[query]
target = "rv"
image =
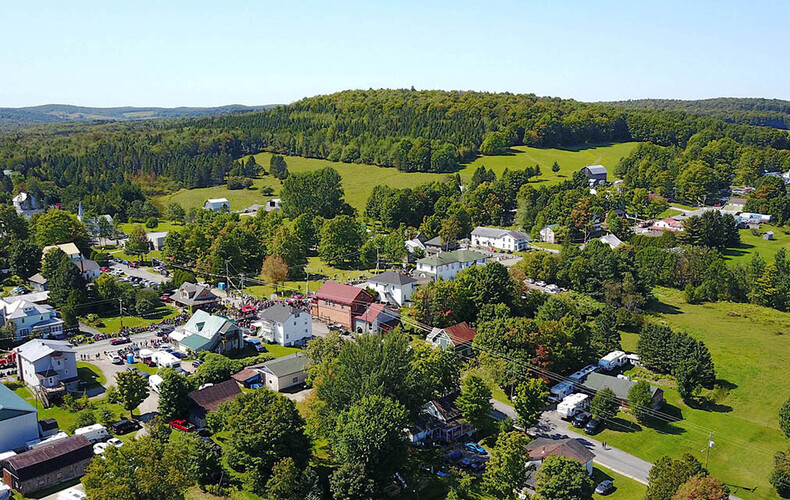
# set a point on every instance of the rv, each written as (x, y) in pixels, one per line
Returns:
(165, 359)
(559, 391)
(37, 443)
(94, 433)
(572, 405)
(580, 375)
(612, 361)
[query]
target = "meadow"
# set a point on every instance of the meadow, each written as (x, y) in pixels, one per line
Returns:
(752, 244)
(750, 347)
(360, 179)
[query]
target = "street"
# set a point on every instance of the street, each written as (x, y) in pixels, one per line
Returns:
(142, 273)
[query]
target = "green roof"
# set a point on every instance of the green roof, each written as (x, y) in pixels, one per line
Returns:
(195, 342)
(12, 405)
(551, 226)
(444, 258)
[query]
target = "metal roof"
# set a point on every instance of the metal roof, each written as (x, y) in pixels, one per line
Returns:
(12, 405)
(39, 348)
(444, 258)
(392, 278)
(287, 365)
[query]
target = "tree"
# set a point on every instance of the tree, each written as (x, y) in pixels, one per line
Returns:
(278, 168)
(63, 277)
(306, 232)
(341, 240)
(667, 475)
(475, 402)
(688, 378)
(199, 458)
(555, 167)
(640, 401)
(275, 270)
(84, 418)
(173, 394)
(105, 416)
(132, 390)
(495, 143)
(784, 418)
(370, 433)
(151, 223)
(105, 227)
(349, 482)
(175, 212)
(562, 478)
(146, 302)
(24, 259)
(138, 243)
(317, 193)
(55, 227)
(780, 476)
(605, 337)
(290, 248)
(604, 405)
(702, 488)
(504, 475)
(529, 401)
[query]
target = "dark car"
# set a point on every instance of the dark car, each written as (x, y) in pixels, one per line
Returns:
(125, 426)
(593, 426)
(196, 363)
(120, 340)
(605, 487)
(581, 419)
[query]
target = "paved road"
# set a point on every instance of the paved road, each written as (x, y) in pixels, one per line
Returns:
(142, 273)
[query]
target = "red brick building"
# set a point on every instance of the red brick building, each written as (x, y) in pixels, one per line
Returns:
(339, 303)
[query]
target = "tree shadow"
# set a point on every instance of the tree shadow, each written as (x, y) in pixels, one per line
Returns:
(741, 250)
(663, 423)
(706, 404)
(659, 307)
(584, 147)
(622, 425)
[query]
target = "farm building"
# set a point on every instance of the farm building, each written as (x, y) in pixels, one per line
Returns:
(596, 174)
(216, 204)
(48, 466)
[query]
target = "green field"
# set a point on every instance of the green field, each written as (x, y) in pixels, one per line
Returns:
(359, 180)
(751, 244)
(163, 226)
(318, 271)
(625, 488)
(113, 323)
(751, 352)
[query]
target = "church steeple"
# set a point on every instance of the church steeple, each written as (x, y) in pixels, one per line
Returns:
(80, 213)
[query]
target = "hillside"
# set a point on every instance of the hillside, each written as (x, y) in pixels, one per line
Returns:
(15, 118)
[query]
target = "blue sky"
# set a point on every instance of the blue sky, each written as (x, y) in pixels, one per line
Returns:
(208, 53)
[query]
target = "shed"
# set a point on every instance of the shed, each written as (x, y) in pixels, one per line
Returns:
(209, 398)
(769, 235)
(247, 377)
(48, 466)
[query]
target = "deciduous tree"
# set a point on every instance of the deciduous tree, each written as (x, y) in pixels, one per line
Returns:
(604, 405)
(505, 475)
(562, 478)
(529, 400)
(132, 390)
(475, 402)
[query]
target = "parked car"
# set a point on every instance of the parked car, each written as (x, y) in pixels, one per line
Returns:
(72, 494)
(581, 419)
(125, 426)
(475, 448)
(478, 466)
(443, 472)
(182, 425)
(255, 387)
(120, 340)
(196, 363)
(604, 487)
(455, 455)
(115, 442)
(178, 354)
(115, 359)
(99, 448)
(593, 426)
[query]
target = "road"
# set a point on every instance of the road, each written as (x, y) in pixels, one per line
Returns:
(142, 273)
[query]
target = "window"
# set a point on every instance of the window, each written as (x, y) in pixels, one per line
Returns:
(286, 336)
(296, 379)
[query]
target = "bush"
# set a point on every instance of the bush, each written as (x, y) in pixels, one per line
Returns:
(152, 222)
(267, 190)
(235, 183)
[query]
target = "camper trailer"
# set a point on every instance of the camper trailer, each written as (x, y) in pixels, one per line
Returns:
(154, 381)
(572, 405)
(560, 391)
(94, 433)
(612, 361)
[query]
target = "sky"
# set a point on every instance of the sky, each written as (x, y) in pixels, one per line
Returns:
(210, 53)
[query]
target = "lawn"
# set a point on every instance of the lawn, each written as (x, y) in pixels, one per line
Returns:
(163, 226)
(113, 323)
(359, 179)
(318, 271)
(744, 415)
(751, 244)
(278, 351)
(91, 374)
(625, 488)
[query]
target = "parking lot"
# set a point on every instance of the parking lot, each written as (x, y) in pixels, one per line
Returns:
(125, 271)
(469, 456)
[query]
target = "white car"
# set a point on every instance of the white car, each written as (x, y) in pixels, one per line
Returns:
(115, 442)
(100, 448)
(115, 359)
(72, 494)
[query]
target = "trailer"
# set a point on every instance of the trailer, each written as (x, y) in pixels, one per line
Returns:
(146, 356)
(580, 375)
(94, 433)
(573, 404)
(612, 361)
(559, 391)
(154, 381)
(165, 359)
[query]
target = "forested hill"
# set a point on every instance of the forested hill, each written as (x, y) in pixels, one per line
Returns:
(752, 111)
(15, 118)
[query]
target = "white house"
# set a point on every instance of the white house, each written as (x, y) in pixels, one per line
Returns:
(393, 288)
(285, 325)
(157, 239)
(611, 240)
(216, 204)
(50, 365)
(26, 205)
(208, 332)
(30, 317)
(457, 337)
(549, 233)
(668, 224)
(503, 239)
(19, 421)
(89, 269)
(273, 205)
(281, 373)
(447, 264)
(416, 243)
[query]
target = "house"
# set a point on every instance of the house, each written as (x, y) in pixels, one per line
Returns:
(769, 235)
(273, 205)
(458, 337)
(26, 205)
(596, 174)
(30, 318)
(594, 382)
(541, 448)
(451, 424)
(447, 264)
(208, 399)
(191, 296)
(18, 421)
(282, 373)
(752, 218)
(48, 466)
(502, 239)
(49, 366)
(34, 297)
(611, 240)
(207, 332)
(156, 239)
(668, 224)
(216, 204)
(38, 282)
(340, 303)
(549, 233)
(89, 269)
(437, 245)
(418, 242)
(285, 324)
(393, 288)
(376, 318)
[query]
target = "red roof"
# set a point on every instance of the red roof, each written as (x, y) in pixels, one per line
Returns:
(460, 333)
(371, 313)
(344, 294)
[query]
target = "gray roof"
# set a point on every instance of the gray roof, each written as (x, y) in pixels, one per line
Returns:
(39, 348)
(287, 365)
(12, 405)
(596, 169)
(494, 232)
(620, 387)
(279, 313)
(392, 278)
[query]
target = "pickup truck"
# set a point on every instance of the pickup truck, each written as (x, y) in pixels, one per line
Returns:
(182, 425)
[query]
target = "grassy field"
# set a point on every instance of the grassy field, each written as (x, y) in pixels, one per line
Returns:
(751, 354)
(318, 271)
(625, 488)
(113, 323)
(278, 351)
(751, 244)
(359, 180)
(163, 226)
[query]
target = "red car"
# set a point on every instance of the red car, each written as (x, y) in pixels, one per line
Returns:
(120, 340)
(105, 269)
(182, 425)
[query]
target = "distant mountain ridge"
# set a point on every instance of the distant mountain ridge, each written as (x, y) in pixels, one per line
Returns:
(15, 118)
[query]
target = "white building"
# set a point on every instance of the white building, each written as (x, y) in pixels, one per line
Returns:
(611, 240)
(48, 364)
(208, 332)
(89, 269)
(26, 205)
(393, 288)
(19, 421)
(157, 239)
(281, 373)
(285, 325)
(502, 239)
(273, 205)
(447, 264)
(216, 204)
(30, 317)
(549, 233)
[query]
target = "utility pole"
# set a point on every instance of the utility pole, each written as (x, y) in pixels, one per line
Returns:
(307, 281)
(377, 260)
(120, 311)
(707, 449)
